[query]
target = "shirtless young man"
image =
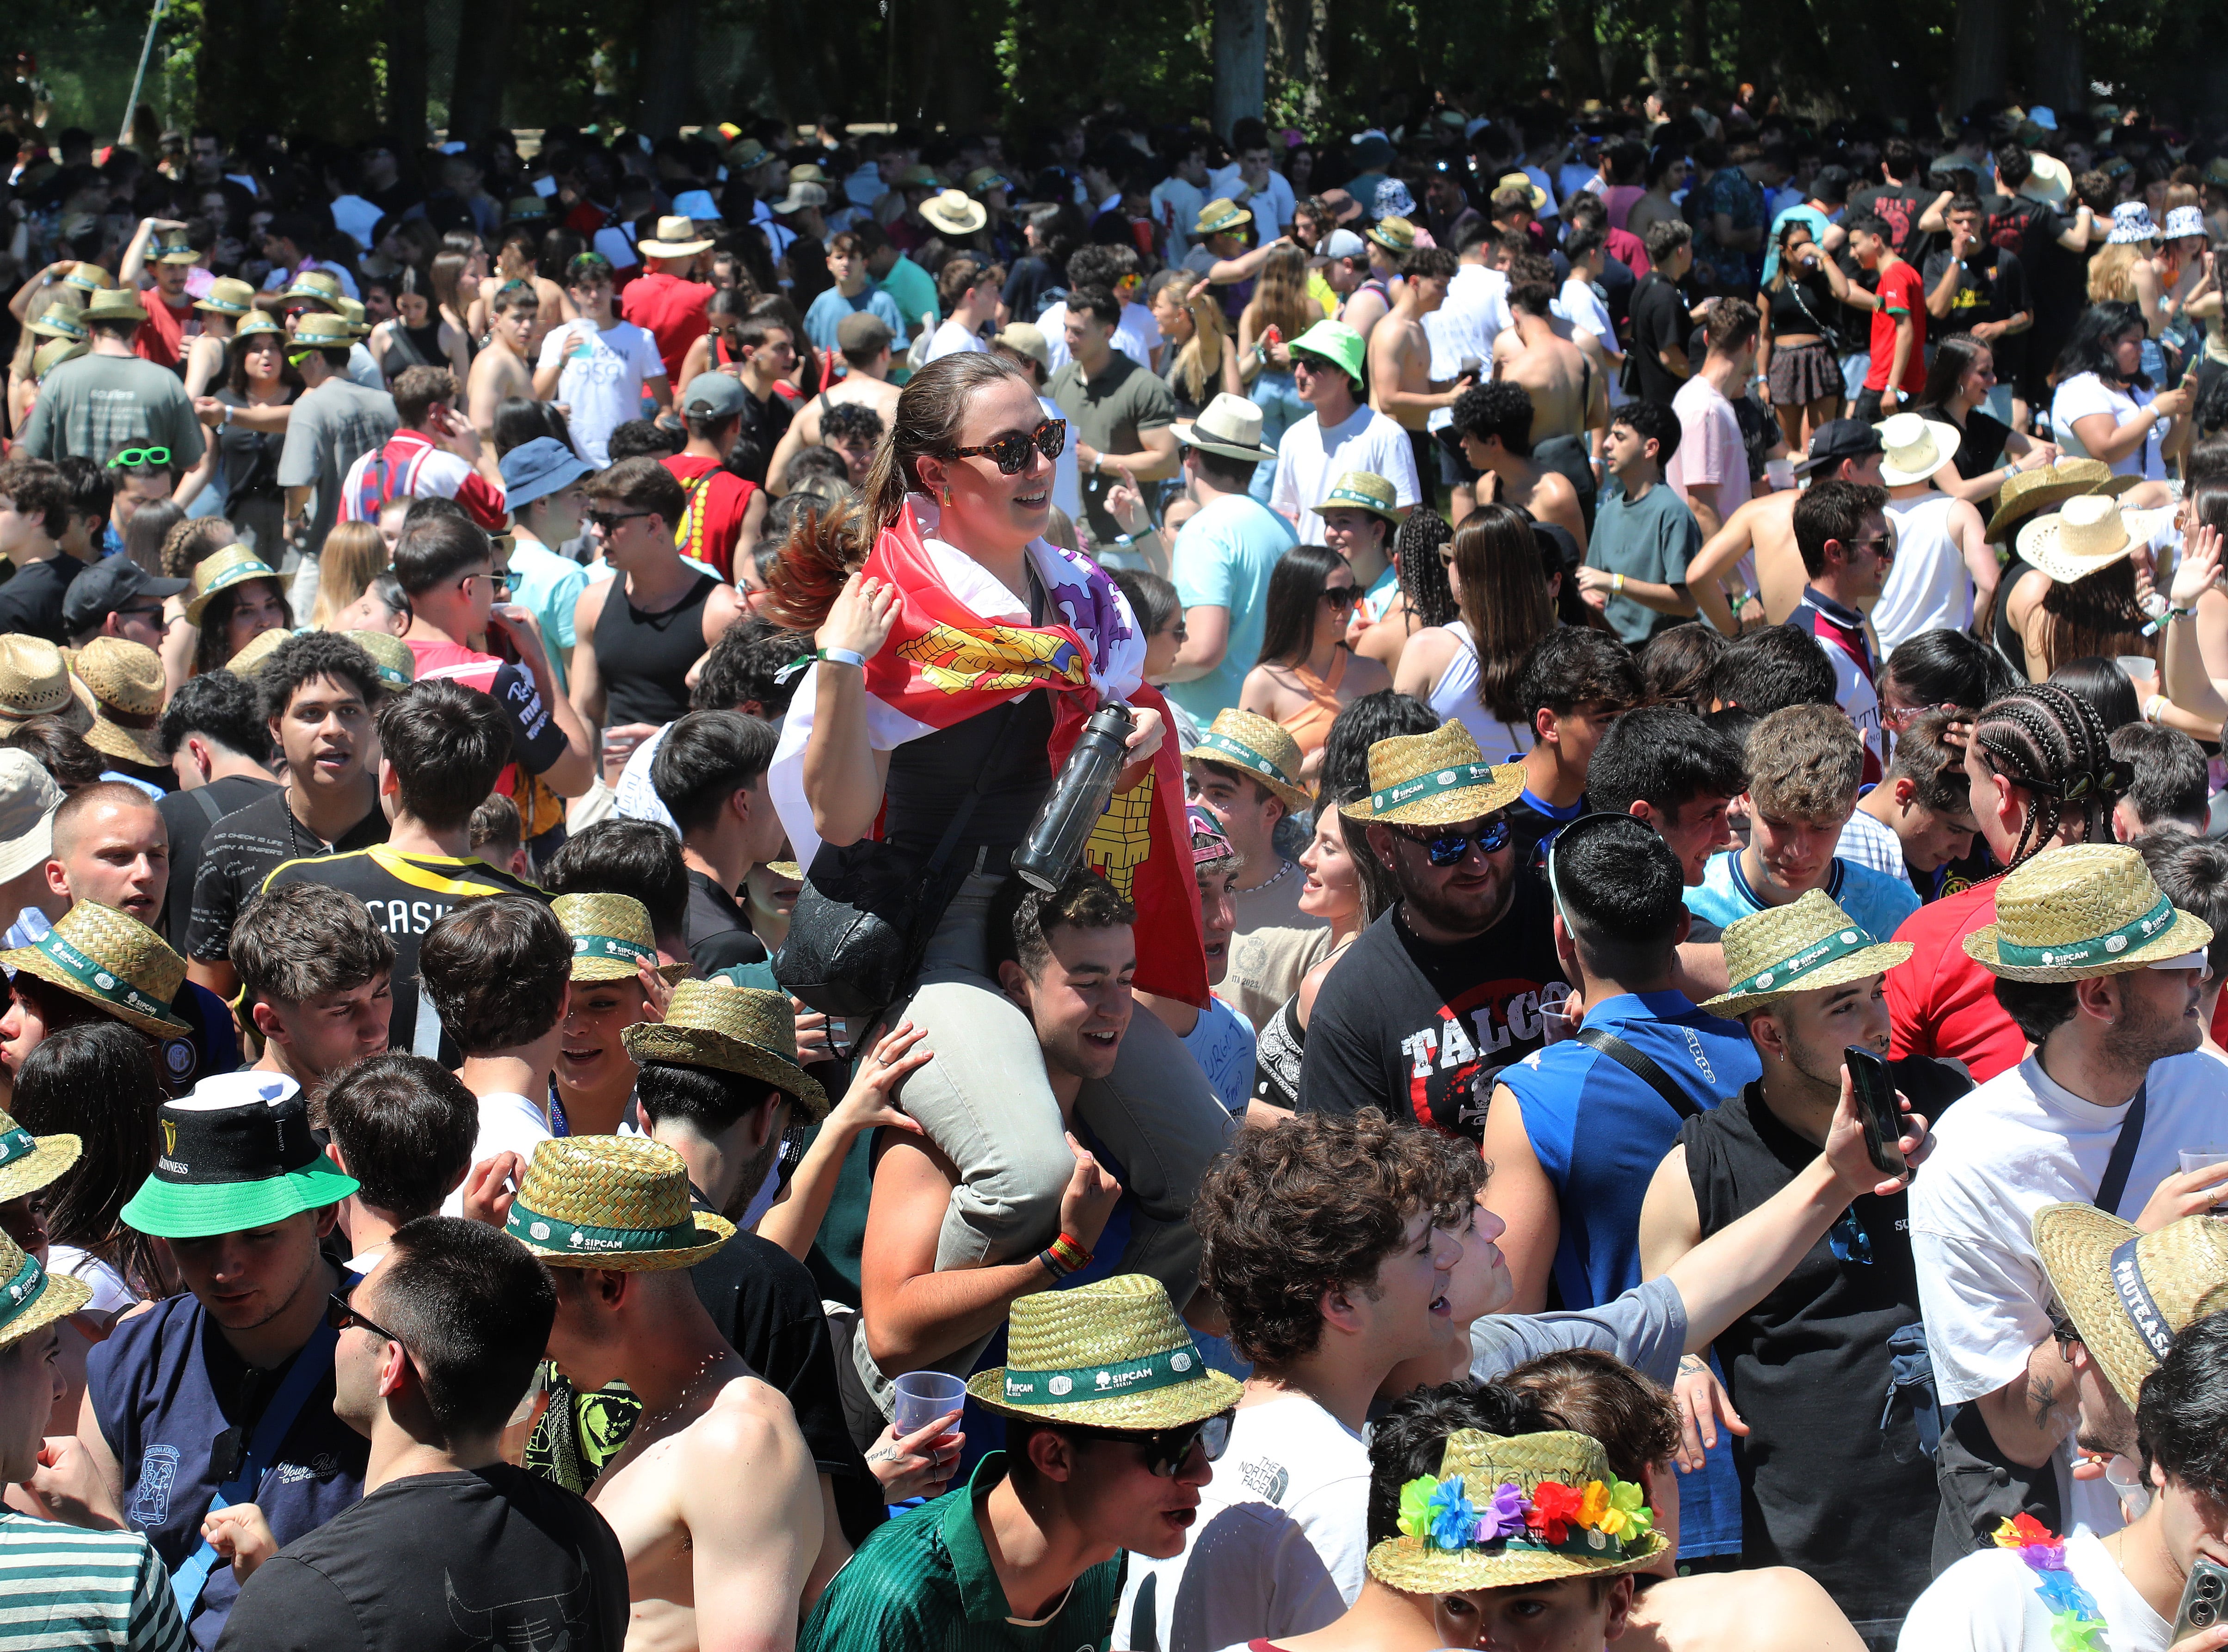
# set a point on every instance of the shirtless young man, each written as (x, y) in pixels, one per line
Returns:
(1495, 423)
(502, 370)
(1846, 449)
(865, 338)
(1568, 379)
(714, 1497)
(1401, 385)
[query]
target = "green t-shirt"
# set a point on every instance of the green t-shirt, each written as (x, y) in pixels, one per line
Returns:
(1651, 537)
(1108, 412)
(925, 1582)
(913, 289)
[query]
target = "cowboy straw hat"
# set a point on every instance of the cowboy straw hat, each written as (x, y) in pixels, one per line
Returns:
(259, 648)
(2129, 1293)
(126, 681)
(676, 237)
(227, 297)
(2087, 535)
(1804, 947)
(610, 934)
(1394, 234)
(113, 962)
(60, 321)
(732, 1029)
(2026, 492)
(1436, 779)
(238, 1153)
(1112, 1353)
(955, 212)
(615, 1202)
(1218, 216)
(233, 565)
(1230, 426)
(30, 1297)
(35, 681)
(1264, 750)
(397, 665)
(1913, 449)
(1360, 490)
(1467, 1529)
(2083, 910)
(29, 1162)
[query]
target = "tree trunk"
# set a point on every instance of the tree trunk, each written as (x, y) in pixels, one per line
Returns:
(2057, 72)
(1241, 52)
(483, 55)
(1979, 53)
(405, 72)
(1695, 35)
(668, 76)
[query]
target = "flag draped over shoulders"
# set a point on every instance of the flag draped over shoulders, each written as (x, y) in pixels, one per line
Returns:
(961, 646)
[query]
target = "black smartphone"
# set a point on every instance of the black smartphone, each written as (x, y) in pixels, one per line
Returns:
(2204, 1598)
(1874, 1088)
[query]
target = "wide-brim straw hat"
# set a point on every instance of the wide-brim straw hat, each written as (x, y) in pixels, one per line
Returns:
(32, 1298)
(1522, 181)
(60, 321)
(731, 1029)
(1436, 779)
(676, 237)
(2083, 910)
(1913, 449)
(1806, 946)
(1219, 215)
(35, 681)
(611, 935)
(1394, 234)
(125, 679)
(1360, 490)
(29, 1162)
(1484, 1463)
(2087, 536)
(398, 666)
(257, 648)
(226, 296)
(1113, 1354)
(955, 212)
(615, 1202)
(321, 332)
(112, 961)
(1230, 426)
(233, 565)
(1262, 747)
(2129, 1293)
(2028, 492)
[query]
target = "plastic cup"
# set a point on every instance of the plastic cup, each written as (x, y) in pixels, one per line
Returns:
(924, 1396)
(1780, 474)
(2196, 1158)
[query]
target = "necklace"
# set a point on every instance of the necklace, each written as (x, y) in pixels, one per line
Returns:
(2075, 1621)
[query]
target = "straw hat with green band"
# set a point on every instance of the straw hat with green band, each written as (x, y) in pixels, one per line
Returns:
(1504, 1510)
(111, 960)
(61, 322)
(52, 354)
(233, 565)
(256, 649)
(1436, 779)
(1218, 216)
(731, 1029)
(238, 1153)
(398, 666)
(2129, 1293)
(30, 1297)
(611, 935)
(1806, 946)
(89, 277)
(1263, 748)
(2083, 910)
(619, 1203)
(29, 1162)
(226, 296)
(318, 286)
(1112, 1353)
(321, 333)
(1360, 490)
(1394, 234)
(260, 322)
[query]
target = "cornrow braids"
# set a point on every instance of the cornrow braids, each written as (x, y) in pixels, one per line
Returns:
(2054, 744)
(1423, 577)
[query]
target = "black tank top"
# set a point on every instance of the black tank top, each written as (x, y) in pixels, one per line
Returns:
(643, 659)
(409, 347)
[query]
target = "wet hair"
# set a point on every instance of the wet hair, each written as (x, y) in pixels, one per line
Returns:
(2048, 741)
(1622, 893)
(1570, 667)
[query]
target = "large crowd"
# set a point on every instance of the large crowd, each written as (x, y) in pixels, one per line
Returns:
(1119, 887)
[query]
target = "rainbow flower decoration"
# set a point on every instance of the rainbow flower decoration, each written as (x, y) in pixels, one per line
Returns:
(1603, 1519)
(2075, 1621)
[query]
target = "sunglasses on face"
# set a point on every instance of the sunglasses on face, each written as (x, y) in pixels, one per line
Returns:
(1342, 597)
(341, 1316)
(1165, 1451)
(1010, 452)
(132, 457)
(607, 522)
(1447, 847)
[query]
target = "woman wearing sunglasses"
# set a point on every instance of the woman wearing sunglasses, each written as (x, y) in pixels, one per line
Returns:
(1306, 675)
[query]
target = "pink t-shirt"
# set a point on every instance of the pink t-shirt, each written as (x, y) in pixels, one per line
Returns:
(1712, 460)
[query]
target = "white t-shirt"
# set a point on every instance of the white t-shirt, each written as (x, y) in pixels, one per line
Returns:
(637, 797)
(1929, 588)
(602, 381)
(1476, 310)
(1137, 336)
(2019, 1142)
(509, 1123)
(1279, 1540)
(1176, 207)
(2085, 393)
(1989, 1601)
(1589, 314)
(111, 1294)
(1309, 459)
(1271, 208)
(953, 338)
(1066, 475)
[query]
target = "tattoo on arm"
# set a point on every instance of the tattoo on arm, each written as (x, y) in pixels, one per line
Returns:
(2042, 1394)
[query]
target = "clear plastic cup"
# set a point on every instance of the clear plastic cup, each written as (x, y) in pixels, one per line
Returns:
(924, 1396)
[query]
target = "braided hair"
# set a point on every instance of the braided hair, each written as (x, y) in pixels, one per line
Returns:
(1416, 545)
(2052, 745)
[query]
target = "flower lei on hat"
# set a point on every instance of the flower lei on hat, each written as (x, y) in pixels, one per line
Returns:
(1606, 1520)
(2075, 1621)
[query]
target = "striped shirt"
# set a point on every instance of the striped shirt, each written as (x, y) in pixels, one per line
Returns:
(1872, 843)
(64, 1588)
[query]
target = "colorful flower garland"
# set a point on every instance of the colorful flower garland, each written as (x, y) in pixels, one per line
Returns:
(1610, 1518)
(2075, 1623)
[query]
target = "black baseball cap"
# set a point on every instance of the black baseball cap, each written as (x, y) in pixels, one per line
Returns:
(108, 584)
(1838, 439)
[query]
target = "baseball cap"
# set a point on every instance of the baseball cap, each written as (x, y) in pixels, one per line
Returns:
(28, 797)
(1342, 243)
(1027, 338)
(536, 469)
(862, 330)
(714, 396)
(1838, 439)
(107, 585)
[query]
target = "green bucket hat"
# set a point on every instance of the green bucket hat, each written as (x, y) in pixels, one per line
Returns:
(236, 1154)
(1337, 343)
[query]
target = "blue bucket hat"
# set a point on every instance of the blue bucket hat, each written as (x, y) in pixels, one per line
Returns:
(533, 469)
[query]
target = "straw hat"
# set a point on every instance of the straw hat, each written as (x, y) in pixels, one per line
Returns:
(1805, 947)
(1108, 1355)
(52, 354)
(1218, 216)
(1264, 749)
(258, 649)
(2026, 492)
(111, 961)
(170, 247)
(801, 196)
(1360, 490)
(29, 1162)
(1394, 234)
(353, 313)
(1470, 1525)
(398, 666)
(61, 322)
(610, 934)
(322, 333)
(238, 1153)
(807, 172)
(1913, 449)
(984, 179)
(227, 297)
(30, 1297)
(2083, 910)
(1435, 779)
(1230, 426)
(2087, 536)
(787, 871)
(233, 565)
(126, 681)
(619, 1203)
(676, 237)
(955, 212)
(734, 1030)
(1536, 195)
(2129, 1293)
(35, 681)
(89, 277)
(259, 320)
(115, 304)
(315, 286)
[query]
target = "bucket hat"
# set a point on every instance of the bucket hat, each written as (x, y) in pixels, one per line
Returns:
(1337, 343)
(28, 797)
(1264, 749)
(233, 565)
(1525, 1509)
(955, 212)
(113, 962)
(1229, 425)
(237, 1153)
(126, 681)
(1220, 216)
(2026, 492)
(1372, 150)
(2127, 1292)
(1436, 779)
(226, 296)
(30, 1297)
(2131, 225)
(1806, 946)
(1913, 449)
(1112, 1353)
(536, 469)
(62, 322)
(1393, 200)
(619, 1203)
(1394, 234)
(676, 237)
(2083, 910)
(35, 681)
(732, 1029)
(1360, 490)
(2088, 534)
(29, 1162)
(611, 935)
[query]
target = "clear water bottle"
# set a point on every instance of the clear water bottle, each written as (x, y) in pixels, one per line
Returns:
(1077, 798)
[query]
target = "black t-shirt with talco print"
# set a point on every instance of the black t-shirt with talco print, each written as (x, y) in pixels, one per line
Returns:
(1420, 1030)
(242, 850)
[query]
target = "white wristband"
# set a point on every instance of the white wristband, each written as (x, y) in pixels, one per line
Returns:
(843, 657)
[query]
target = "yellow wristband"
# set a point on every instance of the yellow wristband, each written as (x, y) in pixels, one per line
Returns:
(1616, 584)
